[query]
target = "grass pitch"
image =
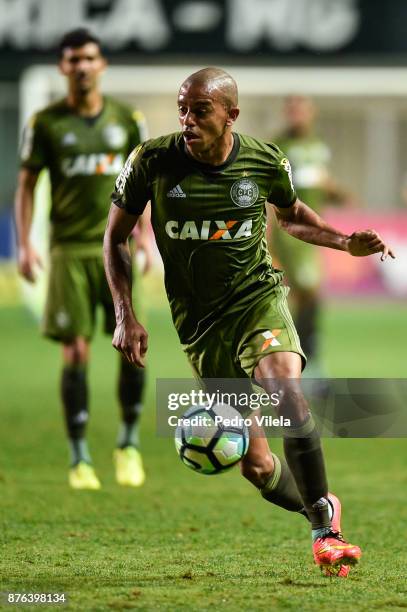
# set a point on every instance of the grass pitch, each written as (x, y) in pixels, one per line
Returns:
(185, 541)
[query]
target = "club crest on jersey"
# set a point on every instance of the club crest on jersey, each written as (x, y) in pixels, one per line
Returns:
(115, 136)
(244, 192)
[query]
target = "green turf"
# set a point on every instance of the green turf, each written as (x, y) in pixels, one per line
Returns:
(186, 541)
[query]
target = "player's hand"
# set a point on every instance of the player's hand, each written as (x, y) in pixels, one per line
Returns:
(131, 339)
(28, 260)
(367, 242)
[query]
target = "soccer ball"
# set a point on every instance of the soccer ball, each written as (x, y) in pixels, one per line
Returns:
(211, 440)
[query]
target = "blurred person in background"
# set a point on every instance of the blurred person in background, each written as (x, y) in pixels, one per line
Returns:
(309, 157)
(83, 141)
(394, 277)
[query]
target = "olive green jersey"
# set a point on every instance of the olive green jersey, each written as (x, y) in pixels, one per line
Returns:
(309, 157)
(209, 223)
(83, 155)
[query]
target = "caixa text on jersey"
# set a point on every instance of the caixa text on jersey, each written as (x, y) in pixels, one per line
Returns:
(209, 230)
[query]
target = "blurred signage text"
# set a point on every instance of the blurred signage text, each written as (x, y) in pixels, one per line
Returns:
(232, 27)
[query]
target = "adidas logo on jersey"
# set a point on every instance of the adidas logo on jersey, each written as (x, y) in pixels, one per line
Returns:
(176, 192)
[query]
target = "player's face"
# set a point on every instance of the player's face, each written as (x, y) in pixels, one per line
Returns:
(82, 67)
(204, 118)
(299, 112)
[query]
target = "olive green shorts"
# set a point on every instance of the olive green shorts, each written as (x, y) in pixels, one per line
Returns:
(233, 346)
(77, 286)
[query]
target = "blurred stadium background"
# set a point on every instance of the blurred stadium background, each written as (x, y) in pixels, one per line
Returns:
(348, 54)
(351, 57)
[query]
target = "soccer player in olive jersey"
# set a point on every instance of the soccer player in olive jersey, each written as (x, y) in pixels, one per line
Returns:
(208, 189)
(83, 140)
(309, 157)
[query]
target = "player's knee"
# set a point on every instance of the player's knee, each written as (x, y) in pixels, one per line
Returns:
(277, 366)
(292, 405)
(284, 382)
(75, 352)
(257, 472)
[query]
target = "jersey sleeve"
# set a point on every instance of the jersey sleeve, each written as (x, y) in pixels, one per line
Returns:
(139, 130)
(33, 149)
(132, 190)
(282, 191)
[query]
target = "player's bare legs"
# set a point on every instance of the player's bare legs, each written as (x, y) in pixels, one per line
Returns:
(74, 392)
(281, 372)
(268, 472)
(258, 463)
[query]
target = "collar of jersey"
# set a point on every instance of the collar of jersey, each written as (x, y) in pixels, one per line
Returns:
(209, 168)
(90, 119)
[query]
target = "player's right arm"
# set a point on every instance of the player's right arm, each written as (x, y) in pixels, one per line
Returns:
(27, 256)
(130, 337)
(33, 157)
(129, 201)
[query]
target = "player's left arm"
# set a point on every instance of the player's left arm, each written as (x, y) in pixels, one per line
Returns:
(302, 222)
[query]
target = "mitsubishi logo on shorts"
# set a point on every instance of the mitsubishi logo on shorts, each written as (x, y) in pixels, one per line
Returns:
(271, 339)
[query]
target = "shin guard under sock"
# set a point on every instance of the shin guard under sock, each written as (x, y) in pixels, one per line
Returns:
(302, 447)
(281, 489)
(74, 393)
(131, 386)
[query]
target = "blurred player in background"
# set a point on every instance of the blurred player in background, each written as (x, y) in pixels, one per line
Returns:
(83, 141)
(309, 157)
(209, 188)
